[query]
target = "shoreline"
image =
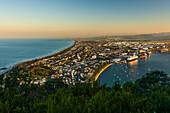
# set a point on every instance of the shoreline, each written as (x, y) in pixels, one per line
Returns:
(39, 58)
(101, 71)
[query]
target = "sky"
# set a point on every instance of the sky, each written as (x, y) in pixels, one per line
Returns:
(82, 18)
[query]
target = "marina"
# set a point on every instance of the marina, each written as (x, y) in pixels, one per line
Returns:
(130, 71)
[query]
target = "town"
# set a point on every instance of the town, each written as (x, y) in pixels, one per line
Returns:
(80, 62)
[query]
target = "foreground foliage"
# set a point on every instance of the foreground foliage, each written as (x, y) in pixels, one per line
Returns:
(151, 93)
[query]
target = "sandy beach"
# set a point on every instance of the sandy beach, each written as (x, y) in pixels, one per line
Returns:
(57, 53)
(97, 76)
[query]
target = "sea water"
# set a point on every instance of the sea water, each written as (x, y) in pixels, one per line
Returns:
(13, 51)
(135, 69)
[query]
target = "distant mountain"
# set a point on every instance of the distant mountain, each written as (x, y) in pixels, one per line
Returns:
(152, 36)
(165, 35)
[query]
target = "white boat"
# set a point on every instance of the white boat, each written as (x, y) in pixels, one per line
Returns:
(116, 60)
(132, 58)
(149, 53)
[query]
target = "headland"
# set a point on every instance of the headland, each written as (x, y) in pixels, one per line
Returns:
(80, 61)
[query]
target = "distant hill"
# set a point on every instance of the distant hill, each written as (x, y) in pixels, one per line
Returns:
(152, 36)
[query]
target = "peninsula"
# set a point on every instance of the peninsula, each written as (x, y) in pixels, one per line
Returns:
(83, 61)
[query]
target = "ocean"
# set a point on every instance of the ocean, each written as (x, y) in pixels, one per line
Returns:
(13, 51)
(135, 69)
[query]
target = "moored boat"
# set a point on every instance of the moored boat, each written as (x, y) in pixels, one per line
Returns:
(164, 50)
(132, 58)
(116, 60)
(149, 53)
(143, 55)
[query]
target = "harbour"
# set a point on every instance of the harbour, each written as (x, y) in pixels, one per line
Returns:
(133, 70)
(88, 59)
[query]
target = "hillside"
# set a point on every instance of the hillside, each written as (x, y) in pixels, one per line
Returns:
(153, 36)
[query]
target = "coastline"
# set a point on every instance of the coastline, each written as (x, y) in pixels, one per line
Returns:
(32, 60)
(135, 70)
(101, 71)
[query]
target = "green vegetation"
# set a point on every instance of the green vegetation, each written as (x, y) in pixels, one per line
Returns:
(114, 47)
(37, 71)
(149, 94)
(23, 74)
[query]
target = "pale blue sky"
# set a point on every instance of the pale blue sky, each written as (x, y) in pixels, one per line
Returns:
(82, 18)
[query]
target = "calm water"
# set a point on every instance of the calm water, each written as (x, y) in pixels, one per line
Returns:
(13, 51)
(133, 70)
